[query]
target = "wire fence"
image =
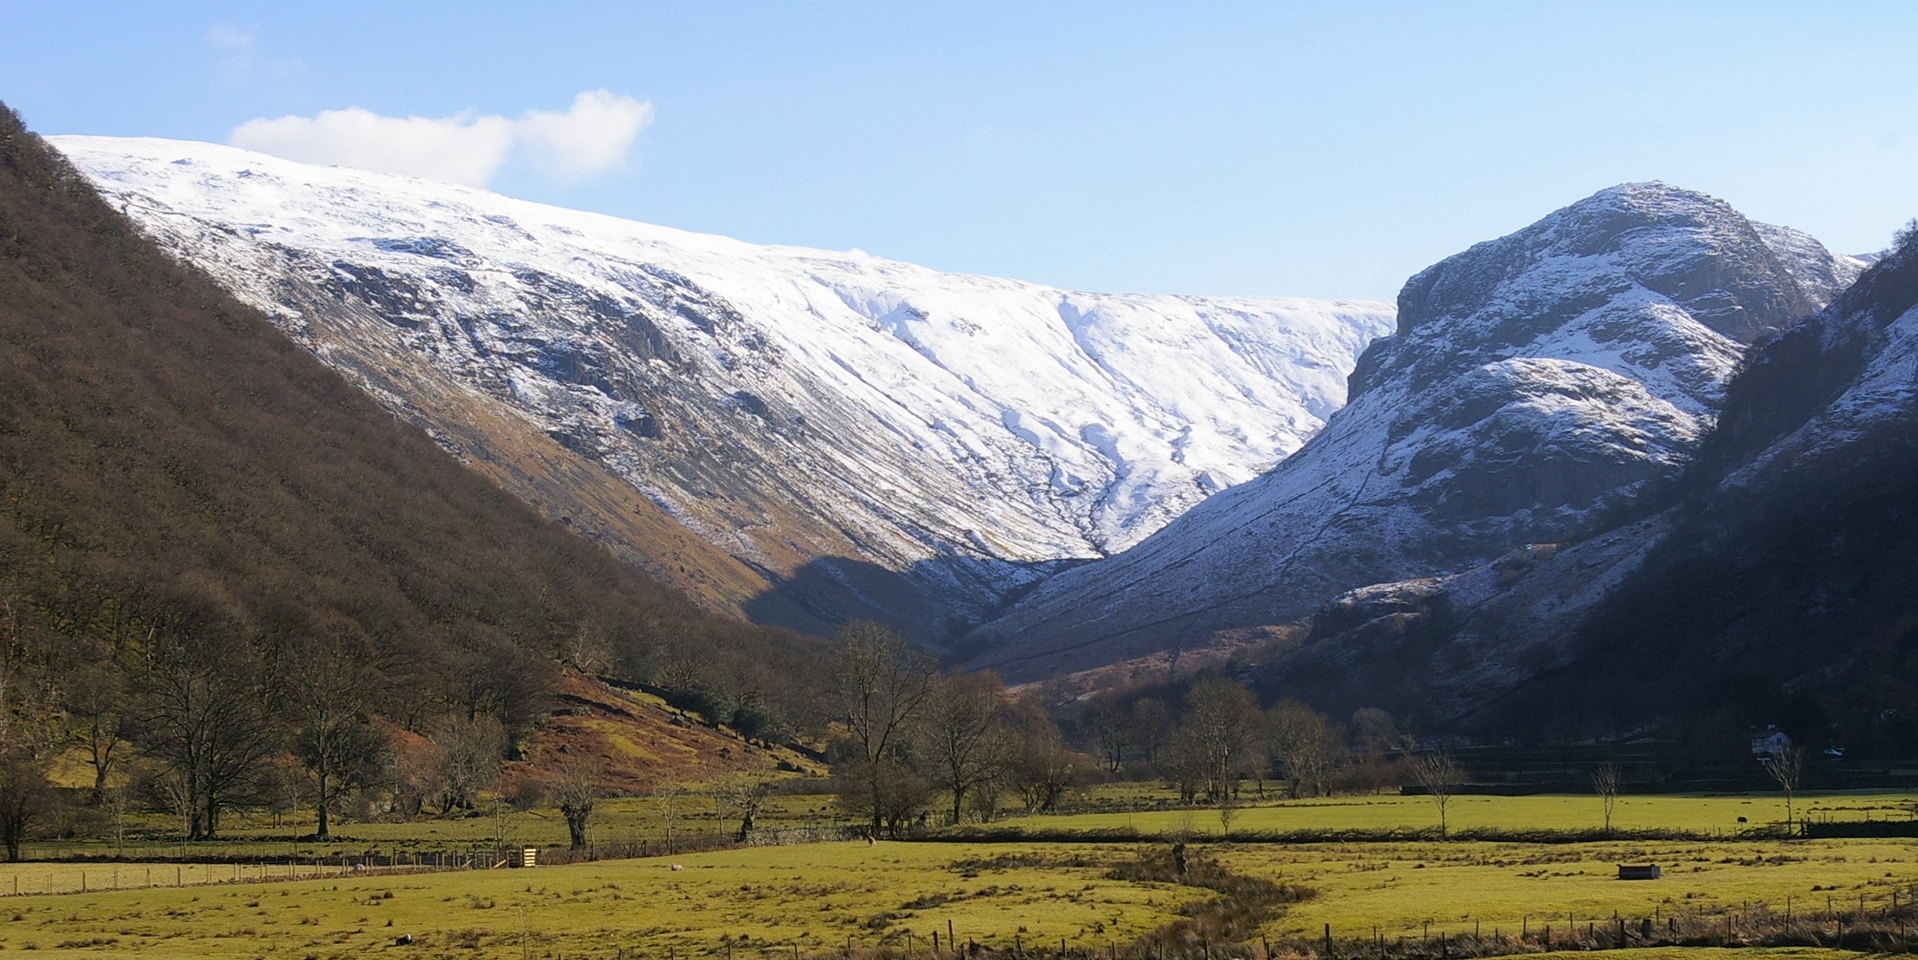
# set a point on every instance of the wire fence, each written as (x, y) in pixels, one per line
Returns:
(192, 867)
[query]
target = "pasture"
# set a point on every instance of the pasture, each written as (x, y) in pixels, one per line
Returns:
(1705, 815)
(819, 898)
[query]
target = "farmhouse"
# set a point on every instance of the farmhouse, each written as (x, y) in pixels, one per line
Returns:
(1769, 744)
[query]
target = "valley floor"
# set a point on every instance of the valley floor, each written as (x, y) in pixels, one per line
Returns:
(817, 899)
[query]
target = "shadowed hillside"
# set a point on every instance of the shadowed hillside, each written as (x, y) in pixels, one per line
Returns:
(1787, 591)
(174, 472)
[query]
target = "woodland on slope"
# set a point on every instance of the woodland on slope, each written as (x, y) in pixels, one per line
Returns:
(194, 510)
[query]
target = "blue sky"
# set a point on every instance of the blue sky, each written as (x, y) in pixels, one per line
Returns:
(1323, 150)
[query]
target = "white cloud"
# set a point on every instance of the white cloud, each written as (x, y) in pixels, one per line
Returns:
(592, 137)
(238, 44)
(462, 149)
(231, 37)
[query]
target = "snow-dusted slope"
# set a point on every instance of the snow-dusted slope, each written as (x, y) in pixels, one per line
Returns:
(1534, 382)
(829, 418)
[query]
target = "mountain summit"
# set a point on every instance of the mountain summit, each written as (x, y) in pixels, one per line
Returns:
(859, 436)
(1534, 383)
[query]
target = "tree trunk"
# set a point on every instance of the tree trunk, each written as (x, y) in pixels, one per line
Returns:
(320, 809)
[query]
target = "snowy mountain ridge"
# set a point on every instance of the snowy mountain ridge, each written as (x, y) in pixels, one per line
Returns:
(825, 416)
(1533, 383)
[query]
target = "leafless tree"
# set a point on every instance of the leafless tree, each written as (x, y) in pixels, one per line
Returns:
(1148, 727)
(337, 743)
(1106, 728)
(95, 699)
(964, 735)
(575, 789)
(28, 716)
(1440, 775)
(1308, 747)
(1185, 764)
(1787, 766)
(1605, 784)
(669, 798)
(1043, 769)
(1375, 733)
(746, 792)
(882, 683)
(466, 761)
(1224, 724)
(589, 650)
(205, 717)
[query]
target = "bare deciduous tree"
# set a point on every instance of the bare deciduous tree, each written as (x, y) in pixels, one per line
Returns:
(670, 799)
(205, 717)
(1605, 784)
(1440, 775)
(28, 712)
(964, 735)
(466, 761)
(881, 685)
(1787, 766)
(1309, 748)
(337, 743)
(1042, 769)
(1108, 728)
(1223, 723)
(1375, 733)
(745, 791)
(1148, 726)
(575, 789)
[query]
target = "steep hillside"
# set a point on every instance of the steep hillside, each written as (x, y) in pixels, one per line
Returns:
(861, 436)
(173, 467)
(1787, 589)
(1535, 385)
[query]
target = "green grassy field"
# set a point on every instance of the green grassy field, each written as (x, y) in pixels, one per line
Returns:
(1554, 812)
(765, 901)
(1467, 887)
(691, 817)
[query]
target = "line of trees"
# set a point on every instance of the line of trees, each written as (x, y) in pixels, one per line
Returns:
(233, 579)
(178, 710)
(914, 740)
(1214, 738)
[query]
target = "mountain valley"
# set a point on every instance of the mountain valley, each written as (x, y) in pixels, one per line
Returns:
(853, 436)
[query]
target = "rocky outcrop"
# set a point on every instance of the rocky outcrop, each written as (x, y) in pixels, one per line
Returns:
(859, 437)
(1535, 385)
(1783, 588)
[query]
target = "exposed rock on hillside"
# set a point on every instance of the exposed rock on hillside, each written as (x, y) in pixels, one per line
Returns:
(857, 436)
(1535, 385)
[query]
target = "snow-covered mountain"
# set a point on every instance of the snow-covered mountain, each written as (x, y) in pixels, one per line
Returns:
(1778, 583)
(1534, 384)
(867, 436)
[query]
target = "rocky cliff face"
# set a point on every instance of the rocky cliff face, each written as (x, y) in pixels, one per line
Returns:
(854, 436)
(1781, 585)
(1535, 385)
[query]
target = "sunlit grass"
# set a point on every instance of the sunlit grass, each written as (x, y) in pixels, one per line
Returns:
(1553, 812)
(762, 900)
(766, 900)
(1463, 887)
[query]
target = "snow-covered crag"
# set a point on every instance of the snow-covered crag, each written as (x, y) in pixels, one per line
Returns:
(1534, 383)
(833, 420)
